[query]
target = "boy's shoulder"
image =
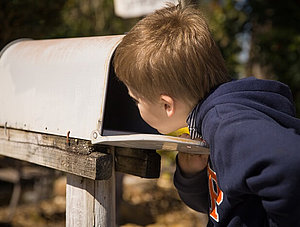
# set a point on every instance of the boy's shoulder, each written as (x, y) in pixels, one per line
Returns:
(246, 99)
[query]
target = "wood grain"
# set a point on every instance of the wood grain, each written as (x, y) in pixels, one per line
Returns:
(76, 157)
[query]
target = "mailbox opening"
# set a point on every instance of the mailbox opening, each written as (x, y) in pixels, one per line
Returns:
(121, 115)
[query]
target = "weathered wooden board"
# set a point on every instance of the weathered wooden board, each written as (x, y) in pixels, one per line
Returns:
(138, 162)
(77, 156)
(105, 200)
(79, 201)
(90, 202)
(65, 154)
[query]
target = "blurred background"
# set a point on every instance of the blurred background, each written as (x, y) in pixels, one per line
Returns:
(257, 38)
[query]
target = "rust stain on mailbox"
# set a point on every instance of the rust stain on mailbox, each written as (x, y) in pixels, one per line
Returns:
(68, 87)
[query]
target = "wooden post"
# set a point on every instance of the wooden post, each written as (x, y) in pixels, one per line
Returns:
(79, 201)
(90, 202)
(105, 199)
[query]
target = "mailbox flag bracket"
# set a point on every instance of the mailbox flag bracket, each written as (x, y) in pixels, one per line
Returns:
(152, 141)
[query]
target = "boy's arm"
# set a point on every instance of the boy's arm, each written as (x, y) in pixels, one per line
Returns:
(259, 157)
(190, 179)
(192, 189)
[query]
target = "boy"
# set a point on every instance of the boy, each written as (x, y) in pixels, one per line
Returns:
(175, 72)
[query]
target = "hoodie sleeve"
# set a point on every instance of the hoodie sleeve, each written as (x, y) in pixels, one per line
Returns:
(193, 191)
(254, 155)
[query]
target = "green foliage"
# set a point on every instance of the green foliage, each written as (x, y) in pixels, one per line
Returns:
(276, 31)
(226, 23)
(28, 18)
(60, 18)
(275, 37)
(92, 17)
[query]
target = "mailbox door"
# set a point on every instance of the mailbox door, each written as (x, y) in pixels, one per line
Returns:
(153, 142)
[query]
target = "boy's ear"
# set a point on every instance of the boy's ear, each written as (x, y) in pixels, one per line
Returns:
(169, 104)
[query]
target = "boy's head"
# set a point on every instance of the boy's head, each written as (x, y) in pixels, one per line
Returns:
(170, 53)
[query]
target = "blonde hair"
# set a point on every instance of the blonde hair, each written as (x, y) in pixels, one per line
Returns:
(170, 52)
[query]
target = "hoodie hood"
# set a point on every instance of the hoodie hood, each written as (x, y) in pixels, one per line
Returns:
(271, 98)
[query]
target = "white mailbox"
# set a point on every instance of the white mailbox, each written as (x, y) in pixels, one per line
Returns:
(68, 87)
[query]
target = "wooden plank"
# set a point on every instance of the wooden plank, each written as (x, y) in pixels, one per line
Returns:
(138, 162)
(77, 156)
(68, 155)
(60, 142)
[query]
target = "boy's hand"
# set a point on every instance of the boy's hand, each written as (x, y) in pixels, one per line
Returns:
(191, 164)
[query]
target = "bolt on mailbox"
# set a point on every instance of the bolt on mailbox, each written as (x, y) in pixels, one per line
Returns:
(68, 87)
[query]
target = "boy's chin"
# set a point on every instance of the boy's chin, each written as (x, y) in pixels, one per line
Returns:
(164, 132)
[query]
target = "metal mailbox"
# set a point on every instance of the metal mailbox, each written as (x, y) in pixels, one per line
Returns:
(68, 87)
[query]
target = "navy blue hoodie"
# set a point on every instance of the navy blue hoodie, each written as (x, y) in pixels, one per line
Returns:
(253, 176)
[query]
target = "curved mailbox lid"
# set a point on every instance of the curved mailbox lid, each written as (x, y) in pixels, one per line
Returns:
(55, 86)
(152, 141)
